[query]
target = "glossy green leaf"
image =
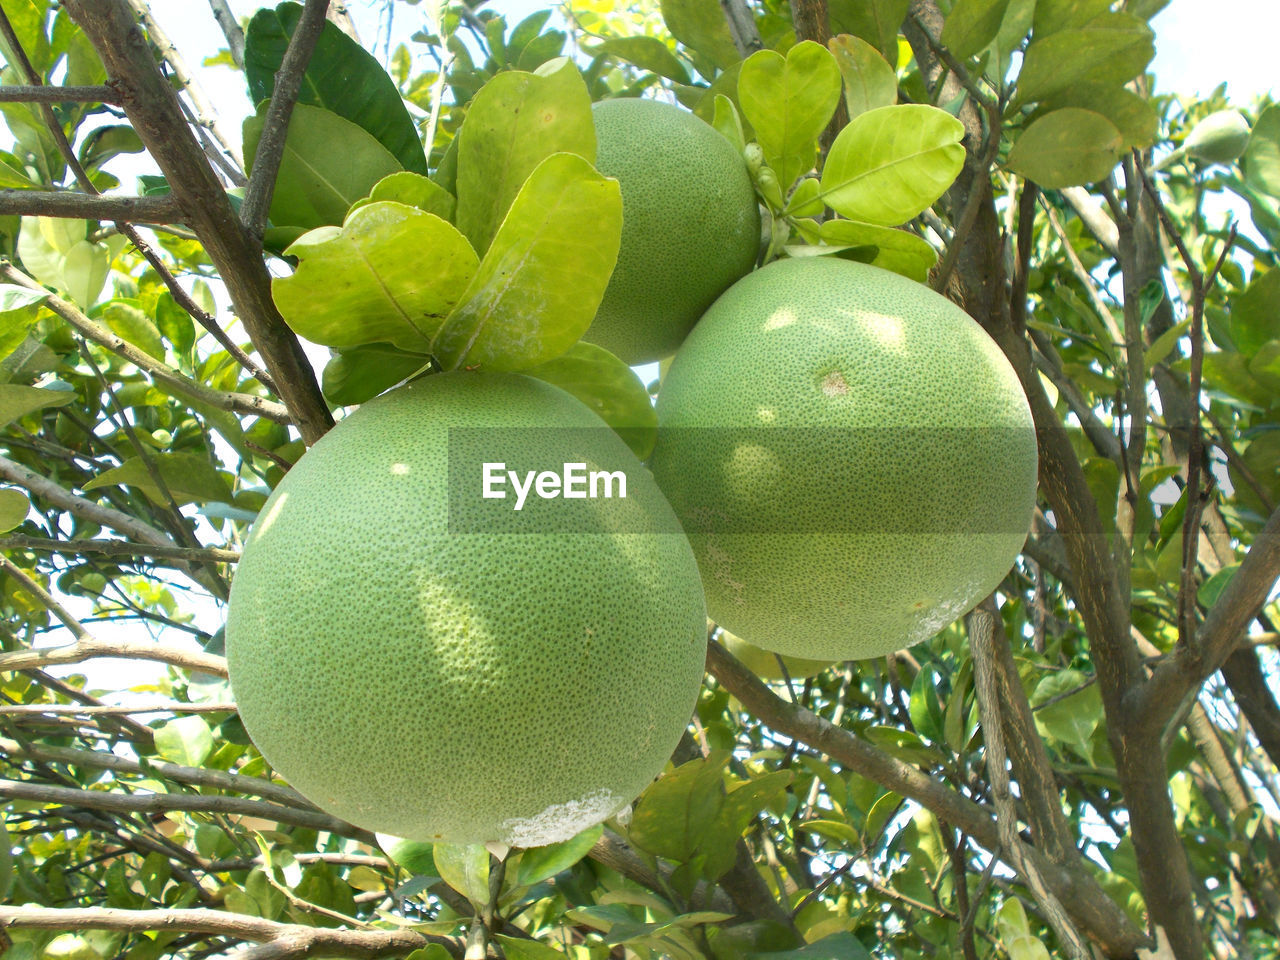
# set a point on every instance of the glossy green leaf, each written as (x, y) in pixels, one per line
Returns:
(189, 478)
(360, 373)
(1067, 710)
(433, 951)
(1008, 40)
(13, 297)
(610, 388)
(515, 123)
(898, 250)
(1255, 313)
(518, 948)
(1262, 156)
(869, 81)
(1110, 49)
(789, 101)
(1133, 116)
(465, 867)
(187, 741)
(972, 25)
(700, 25)
(1055, 15)
(12, 174)
(1163, 345)
(16, 401)
(14, 507)
(837, 946)
(1065, 148)
(675, 812)
(127, 320)
(539, 285)
(414, 190)
(1265, 365)
(543, 863)
(890, 164)
(317, 184)
(1212, 588)
(415, 856)
(647, 53)
(875, 21)
(57, 252)
(369, 282)
(728, 122)
(341, 77)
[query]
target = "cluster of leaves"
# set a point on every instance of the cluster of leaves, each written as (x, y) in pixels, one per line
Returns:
(420, 246)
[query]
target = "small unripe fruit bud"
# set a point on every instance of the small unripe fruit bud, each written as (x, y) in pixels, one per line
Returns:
(1219, 138)
(754, 156)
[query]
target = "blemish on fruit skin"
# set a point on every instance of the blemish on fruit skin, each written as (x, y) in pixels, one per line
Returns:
(833, 384)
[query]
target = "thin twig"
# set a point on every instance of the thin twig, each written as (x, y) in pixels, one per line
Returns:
(73, 205)
(275, 129)
(231, 29)
(120, 548)
(986, 685)
(47, 93)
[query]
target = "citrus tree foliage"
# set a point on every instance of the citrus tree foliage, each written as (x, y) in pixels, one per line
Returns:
(1010, 153)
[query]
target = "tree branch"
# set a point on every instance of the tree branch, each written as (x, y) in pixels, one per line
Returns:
(230, 28)
(152, 803)
(293, 939)
(245, 403)
(275, 129)
(153, 108)
(120, 548)
(1089, 904)
(46, 93)
(87, 206)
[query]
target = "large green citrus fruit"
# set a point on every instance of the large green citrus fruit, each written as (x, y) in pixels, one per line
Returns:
(852, 456)
(416, 659)
(690, 224)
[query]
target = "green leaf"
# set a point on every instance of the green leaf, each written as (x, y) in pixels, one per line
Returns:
(897, 250)
(1261, 159)
(1212, 588)
(700, 25)
(540, 283)
(517, 948)
(1255, 313)
(365, 282)
(726, 120)
(1073, 719)
(837, 830)
(972, 25)
(838, 946)
(126, 320)
(516, 122)
(187, 741)
(16, 401)
(1013, 30)
(360, 373)
(16, 298)
(875, 21)
(610, 388)
(56, 252)
(1164, 344)
(12, 174)
(1109, 50)
(341, 77)
(674, 813)
(789, 101)
(542, 863)
(416, 857)
(465, 867)
(869, 81)
(175, 324)
(14, 507)
(107, 142)
(317, 184)
(891, 163)
(1134, 116)
(1055, 15)
(6, 862)
(647, 53)
(189, 478)
(1067, 147)
(414, 190)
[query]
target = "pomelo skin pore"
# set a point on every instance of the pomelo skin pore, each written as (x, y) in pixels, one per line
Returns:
(690, 224)
(852, 457)
(465, 687)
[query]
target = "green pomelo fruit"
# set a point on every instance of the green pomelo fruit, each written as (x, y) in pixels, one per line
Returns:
(1219, 138)
(412, 662)
(690, 225)
(852, 457)
(764, 664)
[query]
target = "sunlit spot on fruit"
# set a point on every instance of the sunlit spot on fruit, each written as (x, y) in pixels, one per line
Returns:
(833, 384)
(782, 317)
(268, 517)
(888, 332)
(766, 415)
(400, 469)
